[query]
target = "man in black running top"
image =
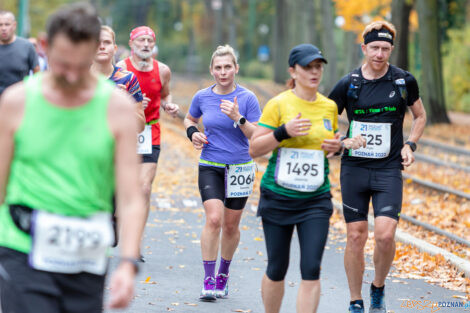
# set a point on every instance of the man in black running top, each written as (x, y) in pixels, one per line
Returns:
(375, 97)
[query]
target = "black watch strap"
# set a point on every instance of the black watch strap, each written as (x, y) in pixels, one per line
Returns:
(412, 145)
(134, 262)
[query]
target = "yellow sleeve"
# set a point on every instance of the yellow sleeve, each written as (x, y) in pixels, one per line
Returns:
(270, 118)
(335, 120)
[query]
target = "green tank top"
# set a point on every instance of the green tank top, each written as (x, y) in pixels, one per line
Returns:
(63, 161)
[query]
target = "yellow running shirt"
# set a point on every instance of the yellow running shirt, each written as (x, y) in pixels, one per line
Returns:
(323, 114)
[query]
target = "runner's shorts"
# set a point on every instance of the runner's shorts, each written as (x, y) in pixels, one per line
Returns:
(152, 158)
(360, 184)
(212, 186)
(26, 290)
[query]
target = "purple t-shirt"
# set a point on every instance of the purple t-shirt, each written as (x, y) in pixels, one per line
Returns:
(227, 144)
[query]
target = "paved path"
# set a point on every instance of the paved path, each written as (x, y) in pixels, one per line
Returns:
(173, 265)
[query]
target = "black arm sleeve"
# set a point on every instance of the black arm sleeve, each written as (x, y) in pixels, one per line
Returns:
(411, 88)
(339, 94)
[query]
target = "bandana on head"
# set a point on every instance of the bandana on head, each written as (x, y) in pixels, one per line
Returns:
(378, 35)
(141, 31)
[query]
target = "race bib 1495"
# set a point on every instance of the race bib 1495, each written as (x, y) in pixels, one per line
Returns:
(300, 169)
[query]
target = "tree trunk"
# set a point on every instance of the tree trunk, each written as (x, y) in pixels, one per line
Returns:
(432, 84)
(296, 26)
(328, 44)
(401, 10)
(141, 11)
(281, 49)
(353, 52)
(311, 33)
(193, 60)
(208, 23)
(217, 6)
(467, 8)
(251, 31)
(231, 23)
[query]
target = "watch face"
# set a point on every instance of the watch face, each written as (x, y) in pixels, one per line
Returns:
(242, 120)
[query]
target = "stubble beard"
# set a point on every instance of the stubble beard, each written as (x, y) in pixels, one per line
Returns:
(62, 83)
(7, 40)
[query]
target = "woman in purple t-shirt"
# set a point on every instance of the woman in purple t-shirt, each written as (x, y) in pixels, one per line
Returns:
(226, 170)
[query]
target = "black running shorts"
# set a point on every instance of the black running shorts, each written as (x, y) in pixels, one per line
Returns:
(212, 186)
(360, 184)
(152, 158)
(26, 290)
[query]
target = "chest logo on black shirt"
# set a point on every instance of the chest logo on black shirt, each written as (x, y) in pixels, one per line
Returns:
(392, 94)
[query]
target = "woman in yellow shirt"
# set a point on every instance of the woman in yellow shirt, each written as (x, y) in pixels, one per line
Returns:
(300, 127)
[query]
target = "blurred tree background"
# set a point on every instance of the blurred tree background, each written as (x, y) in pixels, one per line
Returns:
(433, 36)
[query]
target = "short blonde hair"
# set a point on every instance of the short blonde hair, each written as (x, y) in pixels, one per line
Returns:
(109, 30)
(222, 51)
(378, 25)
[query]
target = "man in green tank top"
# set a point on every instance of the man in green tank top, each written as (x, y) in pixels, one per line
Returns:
(67, 144)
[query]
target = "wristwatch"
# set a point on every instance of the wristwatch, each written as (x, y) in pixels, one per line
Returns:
(241, 121)
(412, 145)
(134, 262)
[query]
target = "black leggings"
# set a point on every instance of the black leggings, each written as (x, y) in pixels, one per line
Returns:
(312, 235)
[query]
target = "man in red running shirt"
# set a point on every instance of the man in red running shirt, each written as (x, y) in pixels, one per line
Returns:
(154, 79)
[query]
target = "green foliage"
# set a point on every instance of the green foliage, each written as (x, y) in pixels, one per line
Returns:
(39, 11)
(456, 68)
(9, 5)
(257, 69)
(175, 53)
(452, 14)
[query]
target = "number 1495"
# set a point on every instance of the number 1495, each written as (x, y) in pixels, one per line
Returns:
(302, 169)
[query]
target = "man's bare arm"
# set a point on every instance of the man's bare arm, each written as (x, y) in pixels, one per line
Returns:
(166, 98)
(11, 114)
(129, 196)
(165, 78)
(140, 114)
(419, 120)
(130, 201)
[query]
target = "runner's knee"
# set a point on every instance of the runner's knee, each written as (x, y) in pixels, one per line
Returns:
(357, 238)
(230, 229)
(277, 268)
(310, 270)
(385, 240)
(214, 221)
(147, 189)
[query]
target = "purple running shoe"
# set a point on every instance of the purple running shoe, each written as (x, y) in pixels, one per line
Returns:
(221, 285)
(208, 290)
